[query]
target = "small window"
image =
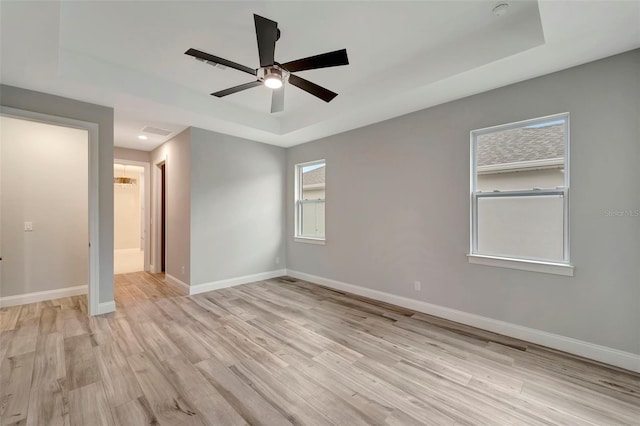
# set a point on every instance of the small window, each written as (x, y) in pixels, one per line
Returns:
(520, 189)
(310, 200)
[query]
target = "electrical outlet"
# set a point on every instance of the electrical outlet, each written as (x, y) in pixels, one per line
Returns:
(277, 260)
(182, 269)
(417, 285)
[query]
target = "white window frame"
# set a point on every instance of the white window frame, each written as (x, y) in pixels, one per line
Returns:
(563, 267)
(298, 237)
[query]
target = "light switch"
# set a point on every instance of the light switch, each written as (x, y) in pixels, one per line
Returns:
(28, 226)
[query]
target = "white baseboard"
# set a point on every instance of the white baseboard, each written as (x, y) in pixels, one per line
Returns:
(592, 351)
(176, 284)
(41, 296)
(106, 307)
(217, 285)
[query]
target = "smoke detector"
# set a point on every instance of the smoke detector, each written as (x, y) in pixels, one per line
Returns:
(500, 9)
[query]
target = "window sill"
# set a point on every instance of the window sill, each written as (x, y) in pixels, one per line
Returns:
(524, 265)
(309, 240)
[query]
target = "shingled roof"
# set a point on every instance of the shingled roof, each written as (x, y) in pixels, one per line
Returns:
(314, 177)
(520, 144)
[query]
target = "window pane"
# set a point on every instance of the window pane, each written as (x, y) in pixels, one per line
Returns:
(523, 158)
(311, 200)
(524, 227)
(313, 187)
(313, 219)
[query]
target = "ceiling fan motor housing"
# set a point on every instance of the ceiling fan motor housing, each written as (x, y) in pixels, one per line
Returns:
(274, 70)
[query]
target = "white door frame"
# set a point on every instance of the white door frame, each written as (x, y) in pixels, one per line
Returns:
(147, 205)
(94, 217)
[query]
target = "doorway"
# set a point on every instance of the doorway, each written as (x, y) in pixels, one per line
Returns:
(159, 217)
(131, 218)
(61, 236)
(163, 216)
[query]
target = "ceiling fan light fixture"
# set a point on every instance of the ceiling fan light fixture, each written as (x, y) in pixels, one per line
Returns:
(273, 78)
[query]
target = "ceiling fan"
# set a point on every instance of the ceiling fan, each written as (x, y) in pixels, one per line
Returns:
(273, 74)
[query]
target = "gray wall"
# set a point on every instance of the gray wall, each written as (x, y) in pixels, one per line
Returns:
(131, 154)
(44, 181)
(176, 153)
(398, 206)
(237, 207)
(43, 103)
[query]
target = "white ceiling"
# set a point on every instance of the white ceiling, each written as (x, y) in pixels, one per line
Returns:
(404, 56)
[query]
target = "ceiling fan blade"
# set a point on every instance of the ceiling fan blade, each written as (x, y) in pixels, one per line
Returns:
(205, 57)
(325, 60)
(309, 87)
(267, 35)
(237, 89)
(277, 100)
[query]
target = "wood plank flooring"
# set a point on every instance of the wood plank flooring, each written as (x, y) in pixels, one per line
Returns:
(282, 352)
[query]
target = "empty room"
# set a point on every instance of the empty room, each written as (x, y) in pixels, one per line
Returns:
(319, 212)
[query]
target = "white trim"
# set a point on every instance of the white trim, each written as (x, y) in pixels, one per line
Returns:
(147, 206)
(176, 284)
(309, 240)
(94, 228)
(106, 307)
(475, 170)
(545, 163)
(521, 123)
(311, 163)
(42, 296)
(217, 285)
(93, 189)
(314, 186)
(592, 351)
(297, 197)
(522, 264)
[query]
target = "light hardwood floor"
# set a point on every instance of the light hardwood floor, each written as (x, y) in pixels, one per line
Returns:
(285, 352)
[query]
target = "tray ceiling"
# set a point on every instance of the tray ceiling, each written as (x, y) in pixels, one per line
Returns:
(404, 56)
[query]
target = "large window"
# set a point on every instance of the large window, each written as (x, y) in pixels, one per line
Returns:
(520, 190)
(310, 194)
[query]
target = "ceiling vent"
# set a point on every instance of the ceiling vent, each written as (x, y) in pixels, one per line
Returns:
(156, 131)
